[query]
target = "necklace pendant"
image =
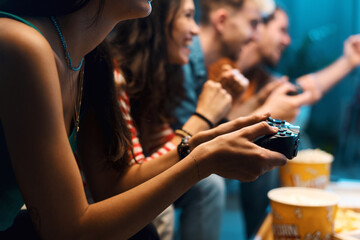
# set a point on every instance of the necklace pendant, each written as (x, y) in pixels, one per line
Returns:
(76, 132)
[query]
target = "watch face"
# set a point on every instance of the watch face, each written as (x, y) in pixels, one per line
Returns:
(184, 148)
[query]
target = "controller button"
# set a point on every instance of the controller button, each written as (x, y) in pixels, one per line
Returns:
(282, 134)
(270, 119)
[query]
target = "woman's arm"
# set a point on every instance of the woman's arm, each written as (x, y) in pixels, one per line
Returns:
(214, 102)
(31, 112)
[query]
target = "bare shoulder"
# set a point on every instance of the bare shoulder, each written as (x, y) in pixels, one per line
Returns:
(21, 46)
(25, 55)
(19, 32)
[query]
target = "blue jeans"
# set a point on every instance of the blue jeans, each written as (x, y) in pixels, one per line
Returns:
(201, 209)
(254, 201)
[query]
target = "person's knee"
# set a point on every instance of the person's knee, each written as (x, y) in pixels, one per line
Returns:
(213, 190)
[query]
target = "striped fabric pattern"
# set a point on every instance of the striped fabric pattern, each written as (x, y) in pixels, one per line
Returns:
(160, 142)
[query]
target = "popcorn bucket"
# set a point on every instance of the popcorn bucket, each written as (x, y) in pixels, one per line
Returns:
(311, 168)
(302, 213)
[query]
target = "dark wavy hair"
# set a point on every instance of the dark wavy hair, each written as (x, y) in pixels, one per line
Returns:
(153, 84)
(41, 8)
(99, 90)
(99, 94)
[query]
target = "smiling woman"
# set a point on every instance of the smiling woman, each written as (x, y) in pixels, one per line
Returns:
(183, 30)
(151, 62)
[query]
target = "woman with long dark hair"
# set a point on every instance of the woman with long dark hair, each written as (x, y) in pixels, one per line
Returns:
(46, 102)
(150, 53)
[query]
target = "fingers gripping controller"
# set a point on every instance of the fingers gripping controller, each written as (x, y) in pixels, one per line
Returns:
(285, 141)
(298, 90)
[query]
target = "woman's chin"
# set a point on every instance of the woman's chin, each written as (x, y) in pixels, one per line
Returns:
(149, 9)
(143, 11)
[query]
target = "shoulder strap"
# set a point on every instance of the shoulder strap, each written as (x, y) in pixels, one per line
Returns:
(9, 15)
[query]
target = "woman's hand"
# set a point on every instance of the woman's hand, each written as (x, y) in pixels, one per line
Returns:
(225, 128)
(234, 155)
(233, 81)
(214, 102)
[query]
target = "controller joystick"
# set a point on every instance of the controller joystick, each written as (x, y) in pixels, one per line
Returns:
(285, 141)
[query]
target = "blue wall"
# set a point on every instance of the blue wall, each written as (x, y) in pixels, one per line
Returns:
(318, 29)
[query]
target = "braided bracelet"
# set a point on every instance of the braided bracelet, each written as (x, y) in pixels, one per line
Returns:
(211, 125)
(182, 133)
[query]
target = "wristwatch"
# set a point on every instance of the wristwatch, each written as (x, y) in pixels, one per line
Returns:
(184, 148)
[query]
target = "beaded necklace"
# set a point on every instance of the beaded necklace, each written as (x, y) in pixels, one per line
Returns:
(67, 54)
(68, 61)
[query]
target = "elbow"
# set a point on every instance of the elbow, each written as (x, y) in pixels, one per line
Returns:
(69, 228)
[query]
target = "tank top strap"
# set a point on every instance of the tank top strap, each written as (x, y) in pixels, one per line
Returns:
(12, 16)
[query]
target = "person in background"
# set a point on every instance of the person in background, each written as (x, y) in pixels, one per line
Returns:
(150, 80)
(225, 27)
(273, 38)
(42, 112)
(266, 93)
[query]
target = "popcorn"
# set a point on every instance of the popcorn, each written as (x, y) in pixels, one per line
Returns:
(346, 220)
(313, 156)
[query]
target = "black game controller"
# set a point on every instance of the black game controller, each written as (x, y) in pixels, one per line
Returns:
(285, 141)
(298, 90)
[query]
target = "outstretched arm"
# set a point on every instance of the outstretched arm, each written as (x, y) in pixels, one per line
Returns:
(283, 106)
(320, 82)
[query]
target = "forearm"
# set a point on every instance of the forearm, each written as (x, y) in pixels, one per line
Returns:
(160, 160)
(329, 76)
(123, 215)
(139, 173)
(194, 125)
